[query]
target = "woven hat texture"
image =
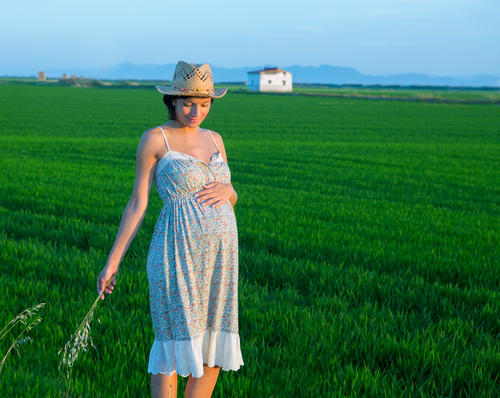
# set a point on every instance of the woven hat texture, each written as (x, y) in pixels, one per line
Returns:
(193, 80)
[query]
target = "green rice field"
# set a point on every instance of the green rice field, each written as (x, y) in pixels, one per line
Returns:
(490, 96)
(369, 243)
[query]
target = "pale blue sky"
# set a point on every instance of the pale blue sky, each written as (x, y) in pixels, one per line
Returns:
(435, 37)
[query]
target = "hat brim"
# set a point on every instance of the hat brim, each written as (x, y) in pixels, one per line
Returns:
(170, 90)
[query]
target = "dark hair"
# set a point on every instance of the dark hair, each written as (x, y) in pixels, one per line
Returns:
(167, 100)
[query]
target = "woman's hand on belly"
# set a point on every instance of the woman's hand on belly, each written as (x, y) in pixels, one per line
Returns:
(215, 194)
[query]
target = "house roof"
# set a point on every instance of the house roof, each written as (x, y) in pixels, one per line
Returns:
(269, 70)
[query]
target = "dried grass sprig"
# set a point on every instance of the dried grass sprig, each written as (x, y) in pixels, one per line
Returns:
(24, 318)
(79, 340)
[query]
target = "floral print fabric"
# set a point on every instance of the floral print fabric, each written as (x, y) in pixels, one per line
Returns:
(193, 267)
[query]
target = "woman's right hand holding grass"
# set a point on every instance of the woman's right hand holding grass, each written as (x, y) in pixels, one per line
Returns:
(106, 281)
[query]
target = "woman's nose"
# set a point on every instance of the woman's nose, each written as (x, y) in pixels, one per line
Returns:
(195, 110)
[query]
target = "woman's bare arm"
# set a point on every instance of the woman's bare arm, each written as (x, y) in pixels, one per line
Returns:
(134, 212)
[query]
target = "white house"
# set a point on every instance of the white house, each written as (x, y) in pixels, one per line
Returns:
(270, 79)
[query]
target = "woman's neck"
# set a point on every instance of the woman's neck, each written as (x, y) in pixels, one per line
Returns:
(181, 128)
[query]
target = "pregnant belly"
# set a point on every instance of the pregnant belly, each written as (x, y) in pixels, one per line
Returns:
(194, 221)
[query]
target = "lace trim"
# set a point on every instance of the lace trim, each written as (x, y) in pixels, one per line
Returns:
(187, 357)
(172, 155)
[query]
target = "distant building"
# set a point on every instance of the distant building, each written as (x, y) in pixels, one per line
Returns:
(73, 77)
(65, 76)
(270, 79)
(41, 76)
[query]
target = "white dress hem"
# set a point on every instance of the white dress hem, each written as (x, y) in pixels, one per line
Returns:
(186, 357)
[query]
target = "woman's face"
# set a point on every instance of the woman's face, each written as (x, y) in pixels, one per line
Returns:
(191, 111)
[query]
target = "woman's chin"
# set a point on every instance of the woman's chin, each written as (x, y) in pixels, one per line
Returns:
(191, 124)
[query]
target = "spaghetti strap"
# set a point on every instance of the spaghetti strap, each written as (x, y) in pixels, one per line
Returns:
(214, 140)
(165, 138)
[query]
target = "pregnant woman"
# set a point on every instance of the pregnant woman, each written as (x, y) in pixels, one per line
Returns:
(193, 258)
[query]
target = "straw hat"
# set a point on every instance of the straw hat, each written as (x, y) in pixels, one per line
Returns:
(193, 80)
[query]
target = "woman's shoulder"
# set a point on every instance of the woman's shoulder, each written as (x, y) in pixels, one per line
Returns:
(154, 131)
(154, 134)
(151, 141)
(218, 140)
(216, 135)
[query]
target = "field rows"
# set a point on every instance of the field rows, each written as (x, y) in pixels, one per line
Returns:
(369, 242)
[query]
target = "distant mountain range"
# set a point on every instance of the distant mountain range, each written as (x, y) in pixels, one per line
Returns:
(324, 74)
